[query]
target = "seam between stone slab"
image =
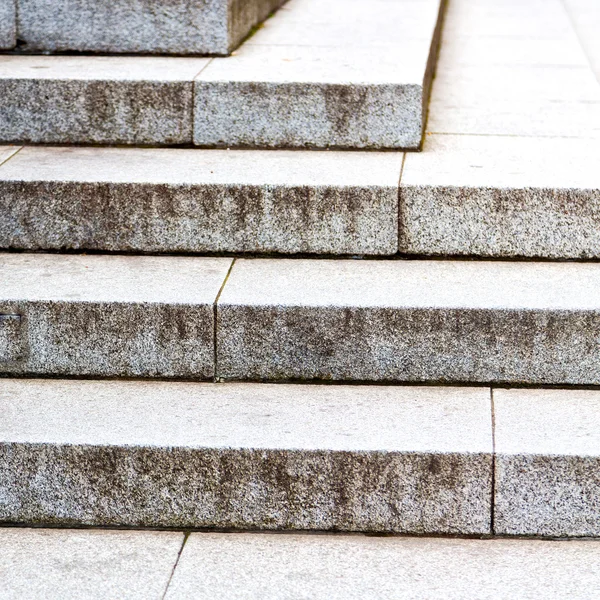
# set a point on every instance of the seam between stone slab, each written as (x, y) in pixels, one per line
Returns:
(215, 321)
(577, 35)
(400, 214)
(192, 109)
(186, 535)
(18, 149)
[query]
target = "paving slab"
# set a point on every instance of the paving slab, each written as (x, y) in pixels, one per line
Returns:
(502, 93)
(547, 462)
(502, 197)
(97, 99)
(112, 315)
(278, 91)
(139, 26)
(178, 200)
(410, 320)
(585, 17)
(286, 567)
(8, 24)
(72, 564)
(415, 459)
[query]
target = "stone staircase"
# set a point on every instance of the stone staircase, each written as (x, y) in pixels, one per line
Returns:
(306, 332)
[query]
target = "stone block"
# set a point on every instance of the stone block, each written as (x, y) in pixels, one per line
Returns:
(51, 563)
(246, 566)
(547, 463)
(412, 320)
(177, 200)
(170, 454)
(8, 25)
(97, 100)
(139, 26)
(277, 91)
(112, 315)
(501, 196)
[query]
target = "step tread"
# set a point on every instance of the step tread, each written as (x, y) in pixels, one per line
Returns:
(245, 415)
(282, 567)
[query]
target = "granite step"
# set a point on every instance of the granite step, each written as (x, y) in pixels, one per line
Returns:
(300, 319)
(285, 87)
(252, 456)
(410, 320)
(183, 200)
(130, 26)
(127, 316)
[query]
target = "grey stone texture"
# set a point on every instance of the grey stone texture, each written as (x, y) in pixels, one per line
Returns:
(8, 25)
(547, 462)
(112, 315)
(97, 100)
(436, 321)
(246, 456)
(280, 91)
(11, 338)
(534, 96)
(501, 196)
(139, 26)
(167, 200)
(42, 564)
(247, 566)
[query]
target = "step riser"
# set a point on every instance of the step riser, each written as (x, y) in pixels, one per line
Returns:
(109, 339)
(8, 33)
(96, 112)
(181, 27)
(264, 489)
(408, 345)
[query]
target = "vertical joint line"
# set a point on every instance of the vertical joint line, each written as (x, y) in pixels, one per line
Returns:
(193, 107)
(493, 500)
(399, 215)
(215, 315)
(185, 539)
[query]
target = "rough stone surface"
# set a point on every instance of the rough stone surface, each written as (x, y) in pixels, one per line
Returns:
(288, 94)
(548, 462)
(537, 97)
(501, 196)
(169, 200)
(410, 321)
(117, 316)
(11, 338)
(38, 564)
(119, 100)
(174, 27)
(246, 455)
(288, 567)
(8, 27)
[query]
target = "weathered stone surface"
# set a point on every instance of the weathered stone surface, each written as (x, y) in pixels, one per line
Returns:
(38, 564)
(11, 338)
(8, 24)
(174, 27)
(246, 455)
(287, 567)
(410, 321)
(288, 94)
(118, 100)
(165, 200)
(501, 196)
(112, 316)
(547, 463)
